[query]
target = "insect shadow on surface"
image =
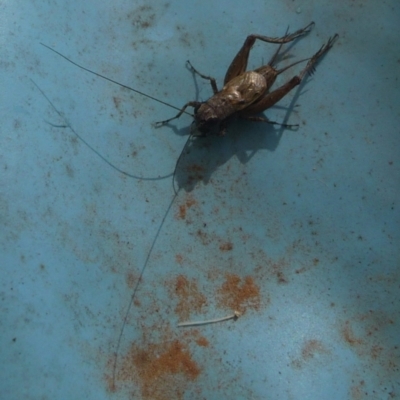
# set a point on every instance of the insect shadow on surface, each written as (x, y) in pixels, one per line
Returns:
(245, 95)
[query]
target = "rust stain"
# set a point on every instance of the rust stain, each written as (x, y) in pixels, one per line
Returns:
(358, 391)
(376, 351)
(158, 370)
(182, 212)
(204, 237)
(348, 335)
(162, 371)
(142, 17)
(202, 341)
(111, 386)
(373, 327)
(130, 279)
(227, 246)
(239, 294)
(182, 209)
(277, 270)
(312, 347)
(276, 267)
(190, 201)
(190, 299)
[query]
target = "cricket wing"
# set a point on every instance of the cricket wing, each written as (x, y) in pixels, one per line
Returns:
(244, 90)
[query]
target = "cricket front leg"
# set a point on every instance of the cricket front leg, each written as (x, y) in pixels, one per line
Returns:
(193, 104)
(239, 63)
(270, 99)
(209, 78)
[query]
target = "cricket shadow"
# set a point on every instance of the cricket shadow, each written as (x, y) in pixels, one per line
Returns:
(204, 155)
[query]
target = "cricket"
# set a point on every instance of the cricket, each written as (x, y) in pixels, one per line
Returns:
(245, 95)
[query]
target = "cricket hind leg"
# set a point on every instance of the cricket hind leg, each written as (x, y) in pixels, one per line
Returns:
(272, 61)
(239, 63)
(270, 99)
(310, 67)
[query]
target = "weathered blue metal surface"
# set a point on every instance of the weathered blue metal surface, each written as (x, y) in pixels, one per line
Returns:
(298, 230)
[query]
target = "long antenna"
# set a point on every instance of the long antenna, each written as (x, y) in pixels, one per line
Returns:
(66, 124)
(111, 80)
(121, 332)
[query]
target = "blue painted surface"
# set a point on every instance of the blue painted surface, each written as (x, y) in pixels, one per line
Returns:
(310, 217)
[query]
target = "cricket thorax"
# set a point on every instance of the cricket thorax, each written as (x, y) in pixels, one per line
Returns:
(236, 95)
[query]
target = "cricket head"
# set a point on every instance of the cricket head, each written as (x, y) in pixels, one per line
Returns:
(206, 120)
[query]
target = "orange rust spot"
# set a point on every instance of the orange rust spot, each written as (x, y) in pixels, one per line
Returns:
(130, 279)
(202, 341)
(204, 238)
(111, 387)
(190, 299)
(227, 246)
(179, 258)
(309, 350)
(189, 202)
(182, 212)
(376, 351)
(348, 335)
(161, 370)
(238, 293)
(311, 347)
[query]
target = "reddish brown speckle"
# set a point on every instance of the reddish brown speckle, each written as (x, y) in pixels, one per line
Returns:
(227, 246)
(161, 370)
(202, 341)
(239, 294)
(348, 335)
(190, 299)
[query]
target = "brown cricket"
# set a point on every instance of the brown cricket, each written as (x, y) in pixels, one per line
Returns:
(247, 93)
